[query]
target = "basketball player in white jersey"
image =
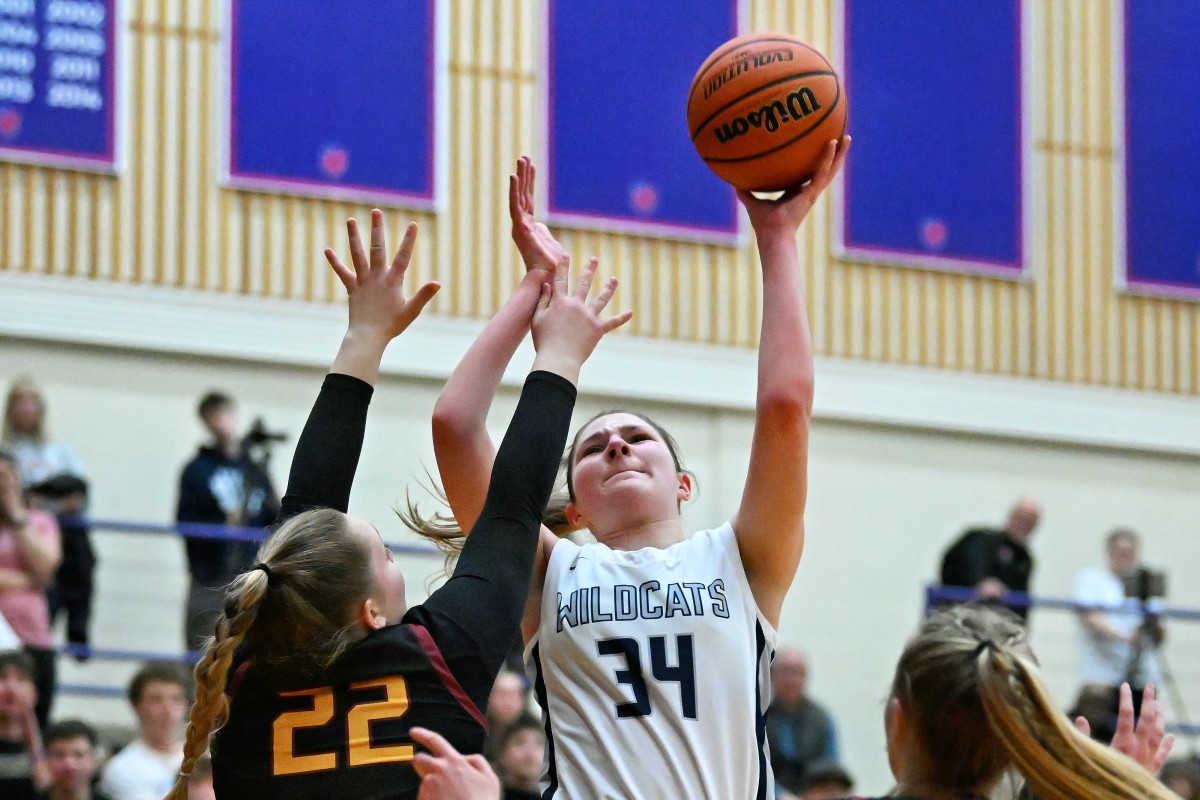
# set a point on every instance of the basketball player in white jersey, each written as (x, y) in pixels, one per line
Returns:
(649, 649)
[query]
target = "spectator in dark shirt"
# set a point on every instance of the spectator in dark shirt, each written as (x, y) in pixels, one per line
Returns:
(995, 562)
(799, 731)
(221, 485)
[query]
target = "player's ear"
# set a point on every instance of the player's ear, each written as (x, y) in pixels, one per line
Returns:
(687, 485)
(574, 518)
(370, 614)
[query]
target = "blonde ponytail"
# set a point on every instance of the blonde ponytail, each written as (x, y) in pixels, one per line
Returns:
(211, 707)
(970, 681)
(1058, 761)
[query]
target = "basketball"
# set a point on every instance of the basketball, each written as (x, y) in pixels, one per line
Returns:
(762, 109)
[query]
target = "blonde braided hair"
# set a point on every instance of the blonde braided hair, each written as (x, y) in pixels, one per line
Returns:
(211, 707)
(295, 611)
(971, 683)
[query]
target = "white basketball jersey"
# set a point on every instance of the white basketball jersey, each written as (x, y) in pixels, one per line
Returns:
(652, 668)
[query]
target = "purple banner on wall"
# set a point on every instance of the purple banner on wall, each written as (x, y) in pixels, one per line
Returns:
(334, 99)
(620, 155)
(57, 82)
(1162, 146)
(935, 108)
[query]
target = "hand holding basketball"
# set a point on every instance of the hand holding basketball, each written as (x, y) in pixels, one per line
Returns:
(787, 212)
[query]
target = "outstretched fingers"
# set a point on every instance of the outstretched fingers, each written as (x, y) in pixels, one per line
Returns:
(358, 256)
(404, 254)
(600, 301)
(378, 240)
(584, 284)
(344, 273)
(612, 323)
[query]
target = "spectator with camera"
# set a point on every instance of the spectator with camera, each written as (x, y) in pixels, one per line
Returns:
(1119, 620)
(224, 484)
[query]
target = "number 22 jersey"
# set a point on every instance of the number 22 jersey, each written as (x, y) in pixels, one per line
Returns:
(652, 668)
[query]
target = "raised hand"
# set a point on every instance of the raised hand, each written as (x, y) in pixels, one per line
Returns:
(1145, 741)
(538, 247)
(784, 215)
(376, 289)
(447, 774)
(567, 326)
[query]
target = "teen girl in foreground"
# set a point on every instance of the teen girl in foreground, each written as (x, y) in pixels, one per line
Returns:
(649, 649)
(318, 670)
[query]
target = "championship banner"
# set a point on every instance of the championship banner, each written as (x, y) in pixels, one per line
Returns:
(1162, 147)
(935, 177)
(620, 156)
(57, 83)
(334, 99)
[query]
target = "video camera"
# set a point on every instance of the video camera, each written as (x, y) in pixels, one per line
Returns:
(1145, 583)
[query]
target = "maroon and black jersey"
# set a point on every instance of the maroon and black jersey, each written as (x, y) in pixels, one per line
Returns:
(346, 734)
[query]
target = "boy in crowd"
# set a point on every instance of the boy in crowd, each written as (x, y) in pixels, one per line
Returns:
(147, 767)
(71, 760)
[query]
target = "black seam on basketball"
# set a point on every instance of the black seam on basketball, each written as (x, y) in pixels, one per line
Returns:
(760, 88)
(782, 145)
(722, 51)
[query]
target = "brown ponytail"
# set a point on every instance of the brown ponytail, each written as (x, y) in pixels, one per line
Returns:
(971, 684)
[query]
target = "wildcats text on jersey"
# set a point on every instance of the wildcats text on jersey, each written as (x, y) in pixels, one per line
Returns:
(624, 602)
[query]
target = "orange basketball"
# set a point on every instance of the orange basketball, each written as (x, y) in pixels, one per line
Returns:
(762, 109)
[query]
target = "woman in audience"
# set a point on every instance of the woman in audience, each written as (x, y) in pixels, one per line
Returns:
(54, 481)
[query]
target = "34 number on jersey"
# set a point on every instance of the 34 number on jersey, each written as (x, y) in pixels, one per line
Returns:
(360, 750)
(632, 675)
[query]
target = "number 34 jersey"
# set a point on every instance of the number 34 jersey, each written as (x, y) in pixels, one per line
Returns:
(652, 668)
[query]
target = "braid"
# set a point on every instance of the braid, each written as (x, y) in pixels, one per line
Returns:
(211, 708)
(1058, 761)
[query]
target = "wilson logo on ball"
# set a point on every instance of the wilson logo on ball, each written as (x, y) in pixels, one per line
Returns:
(796, 106)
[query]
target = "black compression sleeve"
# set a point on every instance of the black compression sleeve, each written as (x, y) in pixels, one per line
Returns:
(328, 450)
(477, 613)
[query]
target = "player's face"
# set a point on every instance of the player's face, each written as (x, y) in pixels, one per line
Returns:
(389, 581)
(17, 694)
(161, 708)
(623, 474)
(72, 763)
